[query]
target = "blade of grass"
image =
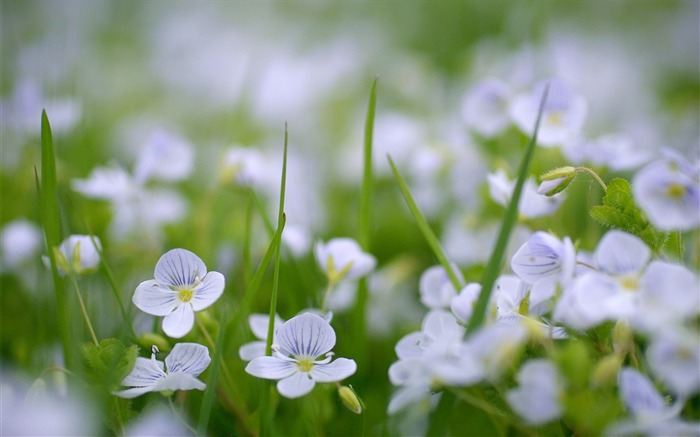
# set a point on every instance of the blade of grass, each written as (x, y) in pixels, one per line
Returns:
(495, 264)
(266, 398)
(50, 222)
(365, 226)
(208, 398)
(425, 229)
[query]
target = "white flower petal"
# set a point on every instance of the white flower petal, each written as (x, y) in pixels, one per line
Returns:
(540, 257)
(252, 350)
(409, 346)
(153, 298)
(259, 324)
(145, 372)
(178, 323)
(271, 368)
(179, 381)
(638, 393)
(133, 392)
(296, 385)
(336, 370)
(306, 335)
(179, 267)
(189, 358)
(211, 288)
(620, 253)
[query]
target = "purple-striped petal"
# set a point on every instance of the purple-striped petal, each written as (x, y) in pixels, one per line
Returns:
(179, 267)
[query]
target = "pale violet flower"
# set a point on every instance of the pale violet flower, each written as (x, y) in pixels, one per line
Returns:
(674, 357)
(184, 364)
(21, 240)
(668, 191)
(342, 258)
(562, 118)
(462, 305)
(181, 286)
(157, 421)
(244, 166)
(164, 156)
(537, 398)
(531, 205)
(301, 341)
(485, 107)
(22, 112)
(77, 254)
(617, 152)
(649, 413)
(435, 286)
(259, 325)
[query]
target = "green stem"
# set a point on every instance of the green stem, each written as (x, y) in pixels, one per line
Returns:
(595, 176)
(326, 294)
(84, 311)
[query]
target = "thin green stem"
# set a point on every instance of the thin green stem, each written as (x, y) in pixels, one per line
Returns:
(84, 311)
(326, 295)
(595, 176)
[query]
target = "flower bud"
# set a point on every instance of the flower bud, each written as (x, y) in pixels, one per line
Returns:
(555, 181)
(622, 337)
(151, 340)
(350, 399)
(605, 372)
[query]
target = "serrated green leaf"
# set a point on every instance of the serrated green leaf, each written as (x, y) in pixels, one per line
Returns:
(108, 364)
(619, 211)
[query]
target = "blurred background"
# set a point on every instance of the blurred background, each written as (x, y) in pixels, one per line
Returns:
(223, 78)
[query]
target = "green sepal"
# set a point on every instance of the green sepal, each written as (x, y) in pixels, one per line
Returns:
(619, 211)
(108, 364)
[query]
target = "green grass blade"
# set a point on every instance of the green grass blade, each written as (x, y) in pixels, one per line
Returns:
(208, 398)
(495, 264)
(365, 227)
(266, 408)
(425, 229)
(50, 222)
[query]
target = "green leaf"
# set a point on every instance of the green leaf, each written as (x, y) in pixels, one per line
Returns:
(108, 364)
(619, 211)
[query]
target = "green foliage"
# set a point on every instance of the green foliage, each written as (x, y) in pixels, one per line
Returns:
(108, 364)
(619, 211)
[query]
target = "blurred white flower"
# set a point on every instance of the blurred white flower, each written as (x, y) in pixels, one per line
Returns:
(435, 286)
(674, 357)
(650, 415)
(563, 116)
(181, 286)
(618, 152)
(21, 241)
(164, 156)
(184, 364)
(668, 191)
(157, 421)
(245, 166)
(258, 325)
(531, 205)
(77, 254)
(22, 112)
(537, 398)
(302, 340)
(342, 258)
(462, 305)
(485, 107)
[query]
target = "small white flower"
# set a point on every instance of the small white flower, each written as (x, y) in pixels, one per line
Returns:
(650, 415)
(531, 205)
(562, 118)
(537, 398)
(485, 107)
(435, 286)
(462, 305)
(302, 340)
(181, 286)
(674, 357)
(158, 421)
(164, 156)
(77, 254)
(342, 258)
(245, 166)
(184, 363)
(105, 183)
(545, 256)
(20, 241)
(669, 194)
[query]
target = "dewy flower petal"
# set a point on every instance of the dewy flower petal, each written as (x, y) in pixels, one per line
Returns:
(181, 286)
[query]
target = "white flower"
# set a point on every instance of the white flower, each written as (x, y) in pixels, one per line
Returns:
(302, 340)
(674, 357)
(650, 415)
(21, 240)
(77, 254)
(485, 107)
(618, 152)
(435, 286)
(184, 363)
(181, 286)
(537, 398)
(157, 421)
(531, 205)
(259, 325)
(544, 257)
(164, 156)
(106, 183)
(342, 258)
(246, 166)
(669, 194)
(462, 305)
(563, 116)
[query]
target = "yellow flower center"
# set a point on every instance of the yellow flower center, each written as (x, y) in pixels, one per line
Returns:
(305, 364)
(185, 295)
(554, 118)
(676, 191)
(630, 283)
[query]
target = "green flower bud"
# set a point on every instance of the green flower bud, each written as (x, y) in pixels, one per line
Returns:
(150, 339)
(350, 399)
(555, 181)
(605, 372)
(622, 337)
